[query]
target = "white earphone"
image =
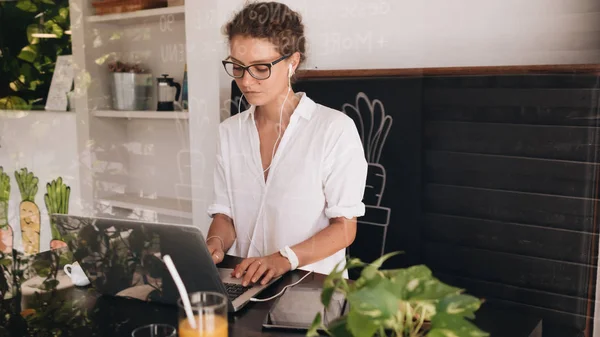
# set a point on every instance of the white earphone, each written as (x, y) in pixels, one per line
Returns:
(290, 74)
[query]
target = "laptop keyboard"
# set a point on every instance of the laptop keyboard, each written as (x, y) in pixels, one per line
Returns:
(235, 290)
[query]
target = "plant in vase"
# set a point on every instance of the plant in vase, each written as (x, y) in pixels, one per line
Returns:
(47, 312)
(14, 270)
(116, 258)
(131, 87)
(406, 302)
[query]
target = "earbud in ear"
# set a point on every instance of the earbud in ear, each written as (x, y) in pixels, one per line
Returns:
(290, 70)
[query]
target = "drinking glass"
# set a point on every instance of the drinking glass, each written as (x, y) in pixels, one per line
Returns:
(155, 330)
(210, 313)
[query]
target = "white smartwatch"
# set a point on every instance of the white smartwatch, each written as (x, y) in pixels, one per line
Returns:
(289, 254)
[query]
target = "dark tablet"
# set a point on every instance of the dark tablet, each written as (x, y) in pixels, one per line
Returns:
(298, 306)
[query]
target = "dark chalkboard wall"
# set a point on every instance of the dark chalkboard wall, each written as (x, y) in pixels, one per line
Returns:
(387, 112)
(490, 180)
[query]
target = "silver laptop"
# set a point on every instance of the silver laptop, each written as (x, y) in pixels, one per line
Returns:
(124, 258)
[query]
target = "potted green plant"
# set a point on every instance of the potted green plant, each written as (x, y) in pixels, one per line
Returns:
(406, 302)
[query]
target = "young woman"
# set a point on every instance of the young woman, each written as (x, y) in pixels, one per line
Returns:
(290, 173)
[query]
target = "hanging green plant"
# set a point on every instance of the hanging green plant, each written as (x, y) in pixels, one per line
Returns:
(38, 34)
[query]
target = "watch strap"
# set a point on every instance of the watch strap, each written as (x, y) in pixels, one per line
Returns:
(288, 253)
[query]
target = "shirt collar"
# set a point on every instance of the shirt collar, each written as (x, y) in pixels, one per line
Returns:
(306, 107)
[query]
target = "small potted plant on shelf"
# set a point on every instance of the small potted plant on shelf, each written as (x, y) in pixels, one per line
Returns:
(406, 302)
(132, 86)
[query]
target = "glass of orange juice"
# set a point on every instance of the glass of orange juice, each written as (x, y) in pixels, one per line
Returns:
(155, 330)
(210, 314)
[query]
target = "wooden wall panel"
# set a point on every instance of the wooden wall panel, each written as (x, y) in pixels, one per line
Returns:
(534, 141)
(510, 269)
(499, 236)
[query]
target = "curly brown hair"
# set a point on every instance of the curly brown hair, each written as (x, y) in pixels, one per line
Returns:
(273, 21)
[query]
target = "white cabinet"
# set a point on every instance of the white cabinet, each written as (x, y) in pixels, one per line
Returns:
(140, 162)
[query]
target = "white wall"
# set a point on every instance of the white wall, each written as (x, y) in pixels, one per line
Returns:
(439, 33)
(359, 34)
(46, 144)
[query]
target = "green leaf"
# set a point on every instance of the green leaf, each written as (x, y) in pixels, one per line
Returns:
(419, 271)
(433, 289)
(65, 258)
(29, 53)
(64, 12)
(379, 262)
(330, 283)
(315, 325)
(354, 263)
(54, 28)
(339, 327)
(16, 85)
(50, 284)
(371, 273)
(33, 84)
(27, 6)
(361, 325)
(441, 333)
(49, 2)
(33, 29)
(453, 325)
(26, 70)
(41, 267)
(461, 305)
(13, 102)
(375, 302)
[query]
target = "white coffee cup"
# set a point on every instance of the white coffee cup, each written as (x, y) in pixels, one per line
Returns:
(75, 272)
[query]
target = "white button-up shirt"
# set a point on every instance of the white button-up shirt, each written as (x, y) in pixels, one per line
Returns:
(318, 172)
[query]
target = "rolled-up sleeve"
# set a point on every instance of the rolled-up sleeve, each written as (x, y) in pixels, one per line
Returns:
(345, 174)
(221, 199)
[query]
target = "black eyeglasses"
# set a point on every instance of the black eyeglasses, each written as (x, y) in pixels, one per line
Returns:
(260, 71)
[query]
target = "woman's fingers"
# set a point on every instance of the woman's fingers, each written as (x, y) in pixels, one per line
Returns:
(252, 268)
(268, 276)
(259, 272)
(241, 268)
(217, 256)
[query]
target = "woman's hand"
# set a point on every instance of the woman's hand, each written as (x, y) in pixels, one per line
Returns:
(216, 250)
(267, 267)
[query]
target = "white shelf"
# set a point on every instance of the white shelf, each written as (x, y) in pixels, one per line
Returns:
(142, 114)
(165, 206)
(139, 16)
